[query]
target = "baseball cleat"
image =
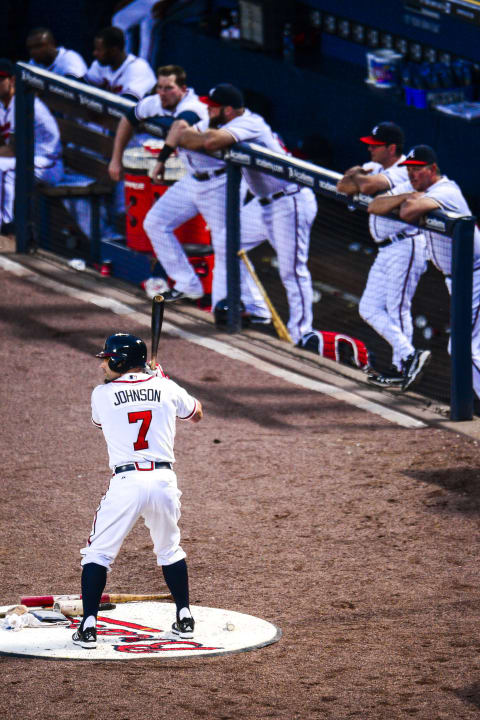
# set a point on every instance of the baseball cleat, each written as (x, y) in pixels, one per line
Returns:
(386, 381)
(172, 295)
(183, 629)
(393, 378)
(85, 638)
(415, 366)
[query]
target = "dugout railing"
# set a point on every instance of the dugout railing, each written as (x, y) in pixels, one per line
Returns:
(345, 214)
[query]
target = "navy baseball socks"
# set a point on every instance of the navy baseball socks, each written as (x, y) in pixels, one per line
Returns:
(94, 578)
(176, 577)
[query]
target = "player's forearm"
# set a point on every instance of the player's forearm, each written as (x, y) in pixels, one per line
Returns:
(175, 133)
(198, 414)
(191, 139)
(7, 151)
(347, 185)
(385, 204)
(122, 137)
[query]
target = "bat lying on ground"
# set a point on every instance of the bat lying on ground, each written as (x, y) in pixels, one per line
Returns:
(46, 600)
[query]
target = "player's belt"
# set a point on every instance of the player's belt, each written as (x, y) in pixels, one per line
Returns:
(267, 200)
(154, 465)
(202, 176)
(393, 238)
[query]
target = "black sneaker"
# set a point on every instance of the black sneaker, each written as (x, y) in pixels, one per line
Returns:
(393, 378)
(85, 638)
(183, 629)
(414, 367)
(173, 295)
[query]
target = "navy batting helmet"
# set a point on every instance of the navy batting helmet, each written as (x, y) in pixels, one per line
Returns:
(221, 312)
(124, 352)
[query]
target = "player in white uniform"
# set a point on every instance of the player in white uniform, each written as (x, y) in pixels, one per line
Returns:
(45, 54)
(401, 258)
(48, 165)
(137, 13)
(201, 190)
(288, 210)
(117, 72)
(136, 408)
(430, 190)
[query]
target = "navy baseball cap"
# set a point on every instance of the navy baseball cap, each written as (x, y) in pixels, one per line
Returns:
(6, 68)
(223, 95)
(420, 155)
(385, 133)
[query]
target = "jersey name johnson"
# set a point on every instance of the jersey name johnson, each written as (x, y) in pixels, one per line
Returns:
(125, 396)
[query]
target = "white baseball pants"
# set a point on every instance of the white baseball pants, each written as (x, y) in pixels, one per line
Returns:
(286, 224)
(151, 494)
(387, 299)
(185, 199)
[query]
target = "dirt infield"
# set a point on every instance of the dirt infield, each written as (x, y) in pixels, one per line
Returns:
(358, 538)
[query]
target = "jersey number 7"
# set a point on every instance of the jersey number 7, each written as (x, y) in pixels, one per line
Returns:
(145, 417)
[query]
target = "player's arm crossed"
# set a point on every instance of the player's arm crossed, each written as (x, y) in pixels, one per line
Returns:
(357, 179)
(417, 205)
(387, 204)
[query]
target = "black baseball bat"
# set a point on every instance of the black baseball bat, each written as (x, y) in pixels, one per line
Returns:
(158, 307)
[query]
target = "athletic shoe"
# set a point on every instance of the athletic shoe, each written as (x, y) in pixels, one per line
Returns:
(183, 629)
(258, 319)
(85, 638)
(310, 341)
(414, 367)
(155, 286)
(393, 378)
(386, 381)
(173, 295)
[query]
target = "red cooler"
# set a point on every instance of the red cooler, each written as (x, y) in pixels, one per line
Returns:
(141, 193)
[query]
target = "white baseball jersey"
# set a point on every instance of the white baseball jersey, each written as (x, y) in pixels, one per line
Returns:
(46, 133)
(449, 197)
(67, 63)
(134, 77)
(137, 413)
(47, 153)
(382, 227)
(251, 127)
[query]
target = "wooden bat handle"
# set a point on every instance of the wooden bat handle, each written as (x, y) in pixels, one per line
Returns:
(278, 323)
(127, 597)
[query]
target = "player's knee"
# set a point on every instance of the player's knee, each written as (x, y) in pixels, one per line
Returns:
(365, 311)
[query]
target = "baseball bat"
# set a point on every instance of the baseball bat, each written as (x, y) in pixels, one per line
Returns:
(43, 600)
(158, 307)
(278, 323)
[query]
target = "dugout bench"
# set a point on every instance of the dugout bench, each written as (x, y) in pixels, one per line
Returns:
(87, 148)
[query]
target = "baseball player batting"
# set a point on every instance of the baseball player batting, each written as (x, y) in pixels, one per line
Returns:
(136, 408)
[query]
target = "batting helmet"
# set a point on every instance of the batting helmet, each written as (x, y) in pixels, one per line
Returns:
(221, 312)
(125, 352)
